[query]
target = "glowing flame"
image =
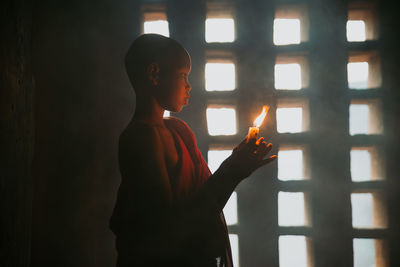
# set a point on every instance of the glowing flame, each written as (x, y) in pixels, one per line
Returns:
(259, 120)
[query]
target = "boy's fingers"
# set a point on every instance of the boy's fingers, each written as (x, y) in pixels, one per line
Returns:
(268, 160)
(259, 141)
(264, 149)
(269, 147)
(261, 150)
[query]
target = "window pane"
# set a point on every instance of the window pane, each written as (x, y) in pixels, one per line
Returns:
(356, 31)
(166, 114)
(289, 120)
(221, 121)
(234, 240)
(290, 165)
(357, 75)
(361, 205)
(157, 26)
(220, 30)
(286, 31)
(288, 76)
(292, 251)
(360, 165)
(230, 210)
(290, 209)
(220, 76)
(359, 119)
(364, 252)
(216, 157)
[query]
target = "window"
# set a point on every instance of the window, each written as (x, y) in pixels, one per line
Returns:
(363, 70)
(362, 24)
(291, 209)
(369, 252)
(220, 24)
(234, 240)
(282, 74)
(286, 31)
(356, 31)
(220, 75)
(290, 164)
(230, 210)
(366, 164)
(291, 72)
(290, 25)
(292, 115)
(155, 20)
(216, 157)
(365, 117)
(221, 120)
(292, 251)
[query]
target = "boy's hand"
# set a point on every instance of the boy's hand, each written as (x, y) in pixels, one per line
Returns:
(248, 156)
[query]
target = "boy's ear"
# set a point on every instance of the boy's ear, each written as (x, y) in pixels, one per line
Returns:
(153, 71)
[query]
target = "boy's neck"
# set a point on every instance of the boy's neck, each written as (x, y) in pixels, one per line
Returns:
(149, 111)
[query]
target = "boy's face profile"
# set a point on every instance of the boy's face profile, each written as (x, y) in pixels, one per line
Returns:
(172, 86)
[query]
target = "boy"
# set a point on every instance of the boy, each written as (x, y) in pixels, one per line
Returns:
(169, 206)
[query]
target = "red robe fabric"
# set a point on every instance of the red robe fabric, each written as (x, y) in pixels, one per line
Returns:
(206, 236)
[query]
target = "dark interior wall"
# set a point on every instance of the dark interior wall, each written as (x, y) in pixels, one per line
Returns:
(16, 132)
(83, 101)
(390, 44)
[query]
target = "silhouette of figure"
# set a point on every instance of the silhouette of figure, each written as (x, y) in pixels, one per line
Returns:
(169, 206)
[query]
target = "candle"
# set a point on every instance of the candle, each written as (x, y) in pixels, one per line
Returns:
(253, 131)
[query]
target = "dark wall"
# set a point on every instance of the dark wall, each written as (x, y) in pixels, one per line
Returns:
(83, 101)
(16, 132)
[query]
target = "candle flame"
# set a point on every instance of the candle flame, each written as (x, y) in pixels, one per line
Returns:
(259, 120)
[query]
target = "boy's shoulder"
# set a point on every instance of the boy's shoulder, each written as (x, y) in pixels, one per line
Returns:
(183, 130)
(176, 122)
(138, 135)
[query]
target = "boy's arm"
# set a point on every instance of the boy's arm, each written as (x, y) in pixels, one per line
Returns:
(216, 191)
(142, 215)
(145, 211)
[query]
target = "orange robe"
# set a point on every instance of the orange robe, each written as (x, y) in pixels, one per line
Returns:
(203, 237)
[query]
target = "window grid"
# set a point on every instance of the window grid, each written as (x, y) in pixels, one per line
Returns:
(368, 207)
(247, 96)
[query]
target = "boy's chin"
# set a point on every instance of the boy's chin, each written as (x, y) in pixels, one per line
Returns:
(174, 109)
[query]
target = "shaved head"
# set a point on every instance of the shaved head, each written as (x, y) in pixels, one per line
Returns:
(153, 48)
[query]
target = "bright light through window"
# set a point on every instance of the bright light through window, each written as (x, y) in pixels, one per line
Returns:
(286, 31)
(234, 241)
(290, 165)
(359, 119)
(220, 30)
(364, 252)
(292, 251)
(220, 76)
(230, 210)
(289, 120)
(355, 31)
(361, 206)
(157, 26)
(288, 76)
(290, 209)
(360, 165)
(357, 75)
(221, 121)
(166, 114)
(216, 157)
